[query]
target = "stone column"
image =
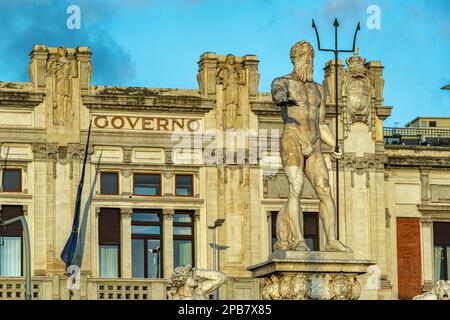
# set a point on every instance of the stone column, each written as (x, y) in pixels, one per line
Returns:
(125, 187)
(425, 184)
(269, 233)
(197, 236)
(37, 69)
(95, 253)
(83, 56)
(167, 244)
(250, 63)
(196, 184)
(125, 242)
(206, 76)
(427, 253)
(168, 184)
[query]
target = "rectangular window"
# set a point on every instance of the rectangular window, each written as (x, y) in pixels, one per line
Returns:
(310, 229)
(432, 124)
(441, 237)
(184, 185)
(273, 228)
(11, 243)
(109, 242)
(147, 184)
(12, 180)
(183, 238)
(146, 243)
(109, 183)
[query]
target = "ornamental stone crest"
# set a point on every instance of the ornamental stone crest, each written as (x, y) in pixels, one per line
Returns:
(311, 286)
(440, 291)
(357, 95)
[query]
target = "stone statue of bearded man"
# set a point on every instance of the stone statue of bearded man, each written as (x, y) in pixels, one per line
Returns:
(302, 103)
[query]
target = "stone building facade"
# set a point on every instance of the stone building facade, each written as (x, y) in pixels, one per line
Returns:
(164, 164)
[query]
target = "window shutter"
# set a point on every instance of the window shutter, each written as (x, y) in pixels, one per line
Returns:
(15, 229)
(441, 231)
(109, 226)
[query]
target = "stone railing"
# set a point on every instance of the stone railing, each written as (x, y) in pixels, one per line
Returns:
(126, 289)
(14, 288)
(55, 288)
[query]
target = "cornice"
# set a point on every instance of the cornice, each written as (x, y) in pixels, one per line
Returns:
(21, 99)
(185, 104)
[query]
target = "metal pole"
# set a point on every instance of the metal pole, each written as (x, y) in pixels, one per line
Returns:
(215, 258)
(218, 269)
(336, 92)
(336, 147)
(26, 235)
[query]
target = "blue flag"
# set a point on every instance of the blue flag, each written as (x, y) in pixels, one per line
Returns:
(71, 245)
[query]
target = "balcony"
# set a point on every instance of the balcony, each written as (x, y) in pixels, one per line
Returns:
(417, 137)
(55, 288)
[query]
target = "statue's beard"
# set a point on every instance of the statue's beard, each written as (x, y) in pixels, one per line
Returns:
(304, 72)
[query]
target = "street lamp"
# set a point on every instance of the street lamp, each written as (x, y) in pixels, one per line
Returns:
(213, 227)
(157, 251)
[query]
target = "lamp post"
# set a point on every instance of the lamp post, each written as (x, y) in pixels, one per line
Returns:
(26, 235)
(157, 251)
(213, 227)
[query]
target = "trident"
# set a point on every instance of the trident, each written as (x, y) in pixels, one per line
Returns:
(336, 53)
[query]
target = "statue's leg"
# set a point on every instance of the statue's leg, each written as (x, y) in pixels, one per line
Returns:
(294, 175)
(317, 172)
(293, 162)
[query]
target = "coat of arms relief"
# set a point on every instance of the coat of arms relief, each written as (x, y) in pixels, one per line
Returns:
(358, 96)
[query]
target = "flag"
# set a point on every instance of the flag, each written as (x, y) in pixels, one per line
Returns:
(71, 244)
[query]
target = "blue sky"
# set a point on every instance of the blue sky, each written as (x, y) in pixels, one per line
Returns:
(157, 43)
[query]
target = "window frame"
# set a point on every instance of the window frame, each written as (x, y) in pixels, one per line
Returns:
(147, 237)
(441, 228)
(117, 179)
(20, 180)
(192, 187)
(19, 235)
(273, 217)
(119, 245)
(183, 236)
(148, 173)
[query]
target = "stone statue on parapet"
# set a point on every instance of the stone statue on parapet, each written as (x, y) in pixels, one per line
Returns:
(62, 73)
(188, 283)
(440, 291)
(302, 104)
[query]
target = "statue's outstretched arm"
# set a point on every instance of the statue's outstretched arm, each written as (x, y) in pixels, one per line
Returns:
(280, 91)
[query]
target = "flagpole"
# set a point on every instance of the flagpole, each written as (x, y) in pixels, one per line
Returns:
(70, 247)
(336, 100)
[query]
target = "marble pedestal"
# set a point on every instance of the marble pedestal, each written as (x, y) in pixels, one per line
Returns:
(310, 275)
